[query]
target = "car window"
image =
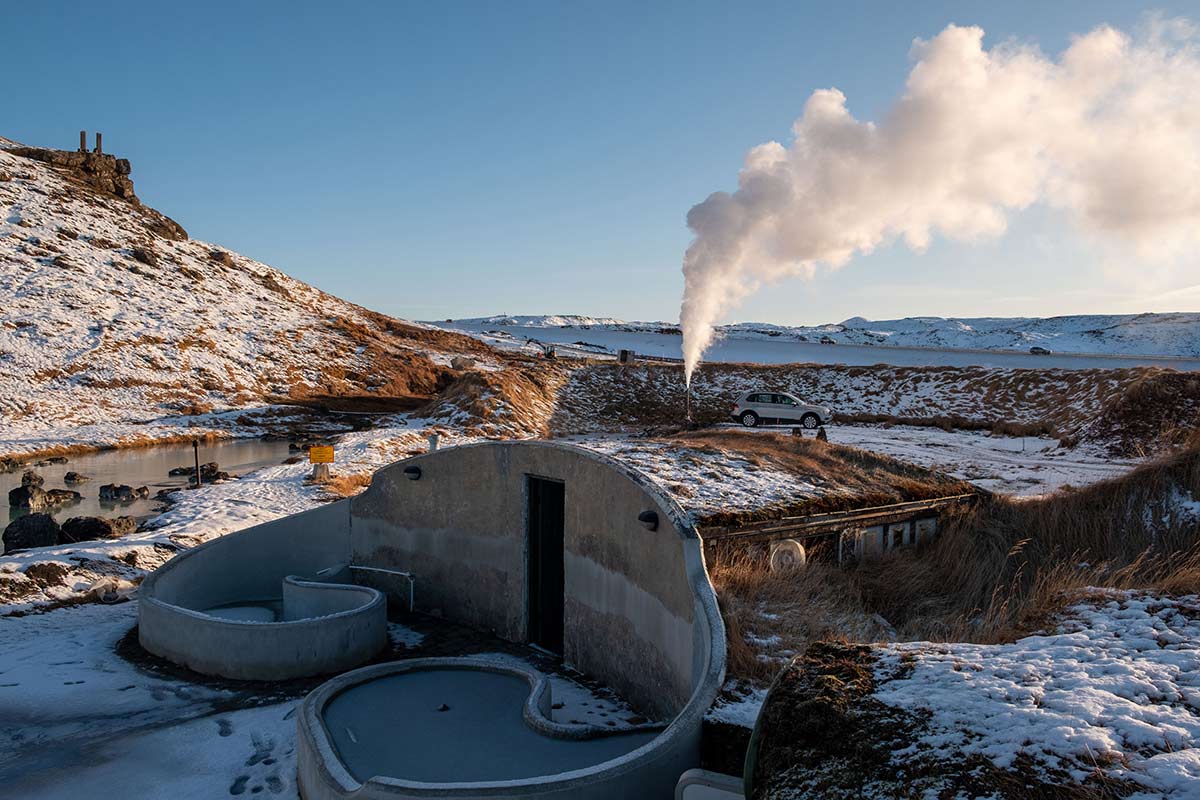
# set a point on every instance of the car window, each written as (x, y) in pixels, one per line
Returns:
(784, 400)
(760, 398)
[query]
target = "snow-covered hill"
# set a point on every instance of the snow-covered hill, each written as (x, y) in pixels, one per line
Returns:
(1111, 334)
(111, 313)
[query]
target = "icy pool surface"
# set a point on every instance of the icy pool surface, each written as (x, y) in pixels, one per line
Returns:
(392, 727)
(265, 611)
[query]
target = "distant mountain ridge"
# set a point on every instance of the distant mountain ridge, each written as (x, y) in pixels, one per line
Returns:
(1169, 334)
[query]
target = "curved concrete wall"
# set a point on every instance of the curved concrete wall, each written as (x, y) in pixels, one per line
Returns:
(630, 602)
(326, 627)
(640, 613)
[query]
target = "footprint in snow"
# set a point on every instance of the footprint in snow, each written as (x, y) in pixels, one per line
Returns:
(224, 727)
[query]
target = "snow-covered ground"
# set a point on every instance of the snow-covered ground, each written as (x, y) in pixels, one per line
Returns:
(1113, 686)
(1025, 466)
(703, 482)
(1175, 334)
(78, 720)
(1100, 342)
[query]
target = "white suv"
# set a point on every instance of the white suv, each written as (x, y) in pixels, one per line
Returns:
(776, 407)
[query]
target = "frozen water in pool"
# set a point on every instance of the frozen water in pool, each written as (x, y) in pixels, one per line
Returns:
(452, 726)
(264, 611)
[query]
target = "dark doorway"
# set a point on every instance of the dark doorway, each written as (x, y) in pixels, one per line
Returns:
(545, 514)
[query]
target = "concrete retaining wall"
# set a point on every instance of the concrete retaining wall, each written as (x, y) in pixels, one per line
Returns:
(327, 627)
(630, 616)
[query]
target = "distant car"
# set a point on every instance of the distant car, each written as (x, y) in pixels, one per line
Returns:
(827, 340)
(778, 407)
(1039, 351)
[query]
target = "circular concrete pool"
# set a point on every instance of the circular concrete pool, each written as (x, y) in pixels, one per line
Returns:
(463, 727)
(458, 725)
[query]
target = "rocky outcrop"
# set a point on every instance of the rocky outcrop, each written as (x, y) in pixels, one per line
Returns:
(82, 529)
(72, 478)
(99, 170)
(206, 470)
(31, 478)
(122, 493)
(31, 498)
(106, 174)
(31, 530)
(61, 497)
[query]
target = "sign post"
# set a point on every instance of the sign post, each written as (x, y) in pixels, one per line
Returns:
(196, 453)
(320, 456)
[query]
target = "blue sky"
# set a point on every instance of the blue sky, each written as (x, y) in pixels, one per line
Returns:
(447, 160)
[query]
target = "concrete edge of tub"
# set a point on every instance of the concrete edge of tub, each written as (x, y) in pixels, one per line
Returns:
(321, 644)
(323, 777)
(536, 711)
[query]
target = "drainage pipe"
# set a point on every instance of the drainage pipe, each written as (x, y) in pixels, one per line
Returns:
(412, 579)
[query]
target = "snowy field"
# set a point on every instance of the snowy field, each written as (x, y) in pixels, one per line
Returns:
(1114, 686)
(1112, 334)
(77, 719)
(1023, 466)
(739, 345)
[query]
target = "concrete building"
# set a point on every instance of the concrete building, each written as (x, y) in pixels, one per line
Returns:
(537, 542)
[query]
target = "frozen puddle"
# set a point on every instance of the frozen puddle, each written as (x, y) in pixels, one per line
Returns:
(266, 611)
(455, 726)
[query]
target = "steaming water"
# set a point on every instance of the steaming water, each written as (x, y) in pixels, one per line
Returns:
(141, 466)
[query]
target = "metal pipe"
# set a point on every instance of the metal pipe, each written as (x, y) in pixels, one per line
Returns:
(412, 579)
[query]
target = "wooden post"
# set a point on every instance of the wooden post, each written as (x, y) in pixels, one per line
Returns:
(99, 148)
(196, 452)
(83, 141)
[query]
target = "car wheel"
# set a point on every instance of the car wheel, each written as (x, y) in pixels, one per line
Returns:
(749, 419)
(810, 421)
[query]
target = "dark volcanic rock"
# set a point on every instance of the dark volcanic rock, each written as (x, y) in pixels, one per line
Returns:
(31, 530)
(101, 171)
(31, 478)
(146, 255)
(82, 529)
(221, 257)
(73, 477)
(210, 468)
(30, 497)
(58, 497)
(122, 493)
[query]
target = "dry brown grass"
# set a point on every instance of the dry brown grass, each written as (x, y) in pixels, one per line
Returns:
(515, 401)
(995, 572)
(347, 485)
(1160, 409)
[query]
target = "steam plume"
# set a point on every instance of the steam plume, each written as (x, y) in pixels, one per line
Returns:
(1109, 132)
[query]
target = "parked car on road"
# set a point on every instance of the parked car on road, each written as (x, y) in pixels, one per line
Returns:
(778, 407)
(1039, 351)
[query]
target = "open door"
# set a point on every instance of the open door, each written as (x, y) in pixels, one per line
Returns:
(545, 514)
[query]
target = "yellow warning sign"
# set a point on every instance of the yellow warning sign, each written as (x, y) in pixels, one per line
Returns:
(322, 454)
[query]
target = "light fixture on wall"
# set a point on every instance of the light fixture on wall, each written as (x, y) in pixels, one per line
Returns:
(649, 520)
(412, 473)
